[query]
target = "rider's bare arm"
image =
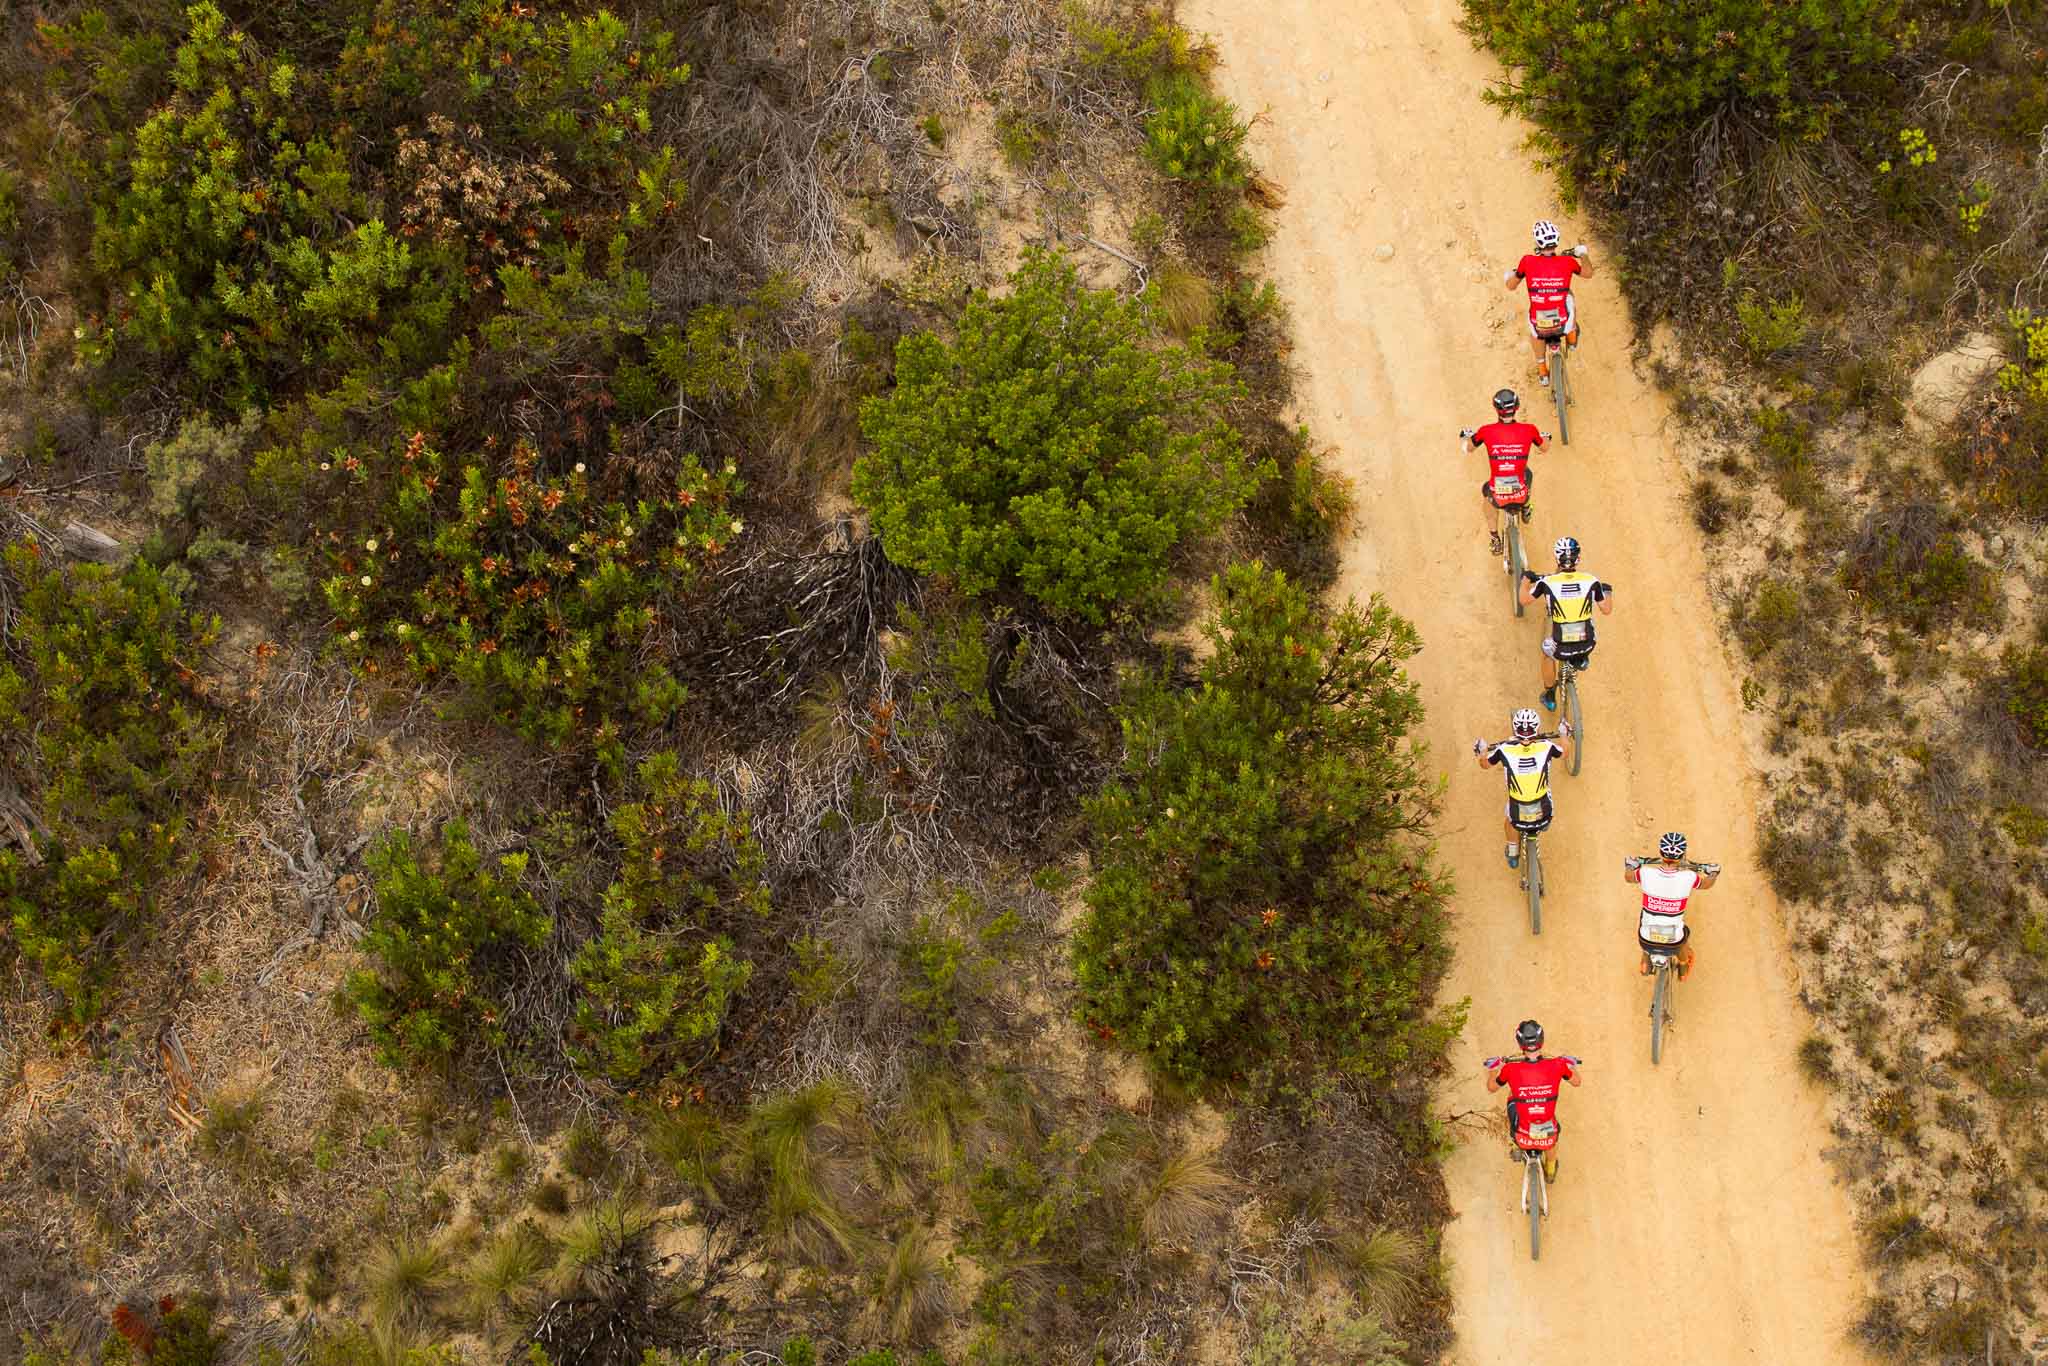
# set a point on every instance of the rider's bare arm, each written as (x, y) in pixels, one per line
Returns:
(1632, 870)
(1607, 603)
(1709, 879)
(1482, 755)
(1585, 260)
(1529, 581)
(1512, 279)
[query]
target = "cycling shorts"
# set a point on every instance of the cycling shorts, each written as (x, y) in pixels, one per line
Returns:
(1528, 486)
(1536, 826)
(1648, 947)
(1571, 316)
(1578, 656)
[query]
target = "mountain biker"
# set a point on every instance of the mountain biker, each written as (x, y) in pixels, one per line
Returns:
(1526, 758)
(1533, 1078)
(1572, 596)
(1668, 882)
(1508, 444)
(1552, 309)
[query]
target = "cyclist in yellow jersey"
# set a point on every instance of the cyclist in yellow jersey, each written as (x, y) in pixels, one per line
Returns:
(1572, 597)
(1526, 758)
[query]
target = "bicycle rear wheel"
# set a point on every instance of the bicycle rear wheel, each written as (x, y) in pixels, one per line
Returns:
(1560, 390)
(1517, 562)
(1659, 999)
(1534, 882)
(1570, 688)
(1533, 1184)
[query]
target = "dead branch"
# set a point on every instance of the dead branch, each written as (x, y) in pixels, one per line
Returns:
(316, 877)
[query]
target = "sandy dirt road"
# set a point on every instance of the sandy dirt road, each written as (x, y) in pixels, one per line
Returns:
(1695, 1221)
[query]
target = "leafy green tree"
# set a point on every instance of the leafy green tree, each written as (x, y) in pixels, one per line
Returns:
(112, 746)
(660, 974)
(1055, 445)
(1265, 909)
(443, 938)
(1606, 80)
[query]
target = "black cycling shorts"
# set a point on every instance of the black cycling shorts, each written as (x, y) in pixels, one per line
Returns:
(1648, 947)
(1535, 827)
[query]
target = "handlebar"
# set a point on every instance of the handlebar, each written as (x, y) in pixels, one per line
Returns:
(1571, 1058)
(1562, 732)
(1635, 861)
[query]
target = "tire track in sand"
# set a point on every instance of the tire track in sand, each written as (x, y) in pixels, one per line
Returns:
(1696, 1220)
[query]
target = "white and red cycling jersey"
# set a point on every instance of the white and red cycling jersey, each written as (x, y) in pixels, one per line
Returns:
(1665, 893)
(1550, 288)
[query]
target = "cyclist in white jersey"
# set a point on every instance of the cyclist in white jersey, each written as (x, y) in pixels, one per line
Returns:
(1668, 884)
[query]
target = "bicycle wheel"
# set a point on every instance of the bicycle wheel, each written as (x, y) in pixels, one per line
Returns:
(1560, 390)
(1534, 881)
(1657, 1003)
(1570, 689)
(1516, 561)
(1533, 1186)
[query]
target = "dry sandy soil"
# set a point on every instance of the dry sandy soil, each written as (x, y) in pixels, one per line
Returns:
(1696, 1220)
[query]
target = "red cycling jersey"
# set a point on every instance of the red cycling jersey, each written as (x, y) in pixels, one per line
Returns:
(1549, 279)
(1508, 445)
(1534, 1084)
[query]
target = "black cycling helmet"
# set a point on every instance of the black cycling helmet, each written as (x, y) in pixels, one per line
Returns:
(1507, 403)
(1671, 844)
(1529, 1035)
(1567, 552)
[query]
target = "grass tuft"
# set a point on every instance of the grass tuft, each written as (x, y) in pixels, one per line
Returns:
(404, 1280)
(1185, 298)
(1390, 1268)
(1187, 1194)
(914, 1293)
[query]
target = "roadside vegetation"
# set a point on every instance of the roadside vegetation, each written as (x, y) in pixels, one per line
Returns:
(668, 702)
(1833, 223)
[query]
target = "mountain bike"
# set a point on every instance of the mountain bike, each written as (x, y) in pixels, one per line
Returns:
(1511, 496)
(1532, 851)
(1568, 703)
(1664, 967)
(1535, 1186)
(1560, 384)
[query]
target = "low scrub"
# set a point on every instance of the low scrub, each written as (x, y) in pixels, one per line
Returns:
(113, 747)
(1265, 910)
(444, 937)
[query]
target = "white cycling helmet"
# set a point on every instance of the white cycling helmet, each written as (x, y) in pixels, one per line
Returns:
(1546, 234)
(1525, 723)
(1567, 552)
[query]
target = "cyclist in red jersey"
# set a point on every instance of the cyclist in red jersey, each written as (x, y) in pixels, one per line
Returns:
(1508, 445)
(1552, 309)
(1533, 1081)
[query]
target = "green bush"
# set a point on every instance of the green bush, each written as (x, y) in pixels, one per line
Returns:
(1770, 327)
(1054, 446)
(443, 939)
(1264, 908)
(538, 589)
(1195, 135)
(661, 973)
(1605, 82)
(2024, 679)
(111, 745)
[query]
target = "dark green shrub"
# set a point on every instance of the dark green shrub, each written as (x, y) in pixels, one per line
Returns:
(662, 971)
(1264, 906)
(1606, 81)
(443, 939)
(111, 745)
(1054, 446)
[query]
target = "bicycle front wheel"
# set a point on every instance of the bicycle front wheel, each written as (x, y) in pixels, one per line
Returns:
(1659, 1001)
(1537, 1200)
(1570, 689)
(1517, 562)
(1560, 391)
(1535, 882)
